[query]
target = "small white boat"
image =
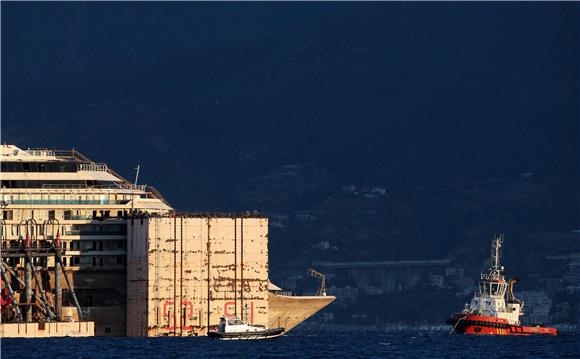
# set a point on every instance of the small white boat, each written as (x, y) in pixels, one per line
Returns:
(236, 329)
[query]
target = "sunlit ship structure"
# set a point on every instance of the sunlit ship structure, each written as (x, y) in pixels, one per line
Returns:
(495, 309)
(86, 252)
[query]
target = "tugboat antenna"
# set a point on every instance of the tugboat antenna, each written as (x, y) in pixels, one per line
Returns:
(496, 245)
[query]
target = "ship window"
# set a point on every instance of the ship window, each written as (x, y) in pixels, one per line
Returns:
(7, 214)
(477, 329)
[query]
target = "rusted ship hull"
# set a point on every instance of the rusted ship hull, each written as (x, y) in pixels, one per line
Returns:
(289, 311)
(75, 234)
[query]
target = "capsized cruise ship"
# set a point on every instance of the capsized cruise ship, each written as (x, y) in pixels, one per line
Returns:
(84, 250)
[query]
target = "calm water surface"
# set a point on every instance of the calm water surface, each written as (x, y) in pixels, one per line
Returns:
(334, 344)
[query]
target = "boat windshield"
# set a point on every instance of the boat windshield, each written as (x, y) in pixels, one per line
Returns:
(492, 288)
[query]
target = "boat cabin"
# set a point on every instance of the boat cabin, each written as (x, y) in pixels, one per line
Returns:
(492, 288)
(236, 325)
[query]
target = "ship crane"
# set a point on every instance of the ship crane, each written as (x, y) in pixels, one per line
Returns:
(322, 288)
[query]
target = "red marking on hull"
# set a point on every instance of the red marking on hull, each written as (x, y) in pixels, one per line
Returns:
(484, 325)
(168, 314)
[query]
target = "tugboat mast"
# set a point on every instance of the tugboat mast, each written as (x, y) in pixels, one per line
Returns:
(495, 269)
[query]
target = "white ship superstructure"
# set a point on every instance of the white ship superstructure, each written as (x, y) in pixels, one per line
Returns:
(86, 251)
(47, 194)
(490, 299)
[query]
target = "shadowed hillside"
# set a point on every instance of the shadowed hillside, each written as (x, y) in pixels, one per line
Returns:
(366, 131)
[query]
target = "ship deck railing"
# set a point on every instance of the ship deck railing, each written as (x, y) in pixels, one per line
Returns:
(121, 185)
(74, 155)
(246, 214)
(100, 167)
(64, 201)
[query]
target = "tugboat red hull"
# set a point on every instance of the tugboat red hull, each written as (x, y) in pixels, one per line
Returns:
(484, 325)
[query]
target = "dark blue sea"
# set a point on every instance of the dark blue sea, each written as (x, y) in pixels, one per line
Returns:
(406, 344)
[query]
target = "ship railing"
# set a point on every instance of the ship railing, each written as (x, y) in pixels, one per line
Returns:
(65, 201)
(140, 187)
(69, 155)
(85, 186)
(156, 194)
(39, 152)
(100, 167)
(63, 154)
(64, 186)
(246, 214)
(89, 165)
(126, 184)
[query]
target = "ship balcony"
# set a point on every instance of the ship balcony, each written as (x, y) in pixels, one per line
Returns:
(94, 252)
(66, 202)
(93, 235)
(102, 167)
(77, 218)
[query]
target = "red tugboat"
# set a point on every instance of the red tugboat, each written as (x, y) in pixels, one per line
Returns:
(495, 310)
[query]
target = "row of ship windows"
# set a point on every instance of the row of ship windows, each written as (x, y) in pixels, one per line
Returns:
(94, 245)
(88, 246)
(73, 198)
(67, 215)
(55, 184)
(39, 166)
(73, 261)
(50, 230)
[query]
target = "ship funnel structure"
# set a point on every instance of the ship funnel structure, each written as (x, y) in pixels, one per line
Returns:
(511, 296)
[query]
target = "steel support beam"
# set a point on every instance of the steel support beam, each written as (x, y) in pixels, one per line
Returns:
(11, 292)
(28, 291)
(57, 291)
